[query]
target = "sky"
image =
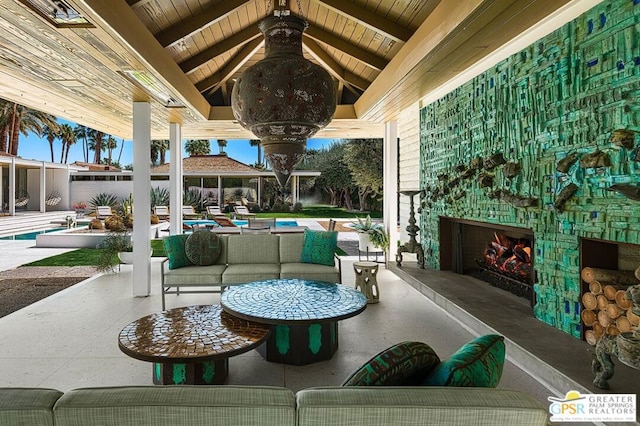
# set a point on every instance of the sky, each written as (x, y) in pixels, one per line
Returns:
(32, 147)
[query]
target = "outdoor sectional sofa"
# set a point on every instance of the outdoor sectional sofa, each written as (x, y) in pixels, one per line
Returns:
(246, 258)
(268, 406)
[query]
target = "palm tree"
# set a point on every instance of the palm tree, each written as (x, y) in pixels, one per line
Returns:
(21, 119)
(82, 132)
(68, 137)
(197, 147)
(120, 153)
(256, 142)
(164, 147)
(5, 108)
(95, 143)
(51, 134)
(158, 151)
(111, 145)
(221, 144)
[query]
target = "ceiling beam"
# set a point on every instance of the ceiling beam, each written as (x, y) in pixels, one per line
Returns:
(231, 67)
(202, 20)
(230, 43)
(137, 3)
(369, 19)
(326, 61)
(370, 59)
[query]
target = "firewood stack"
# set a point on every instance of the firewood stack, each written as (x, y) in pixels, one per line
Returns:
(606, 309)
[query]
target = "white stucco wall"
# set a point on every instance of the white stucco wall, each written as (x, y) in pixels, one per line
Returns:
(409, 163)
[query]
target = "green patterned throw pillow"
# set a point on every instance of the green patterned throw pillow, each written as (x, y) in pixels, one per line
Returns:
(174, 247)
(203, 248)
(319, 247)
(404, 364)
(478, 363)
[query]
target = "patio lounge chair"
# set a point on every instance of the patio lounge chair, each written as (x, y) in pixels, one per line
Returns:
(223, 221)
(214, 211)
(242, 212)
(188, 212)
(103, 212)
(162, 212)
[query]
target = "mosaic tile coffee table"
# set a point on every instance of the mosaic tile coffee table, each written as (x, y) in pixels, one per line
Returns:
(190, 345)
(303, 315)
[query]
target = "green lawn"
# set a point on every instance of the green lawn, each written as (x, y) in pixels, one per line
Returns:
(87, 256)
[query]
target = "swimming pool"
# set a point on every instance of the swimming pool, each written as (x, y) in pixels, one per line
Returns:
(238, 222)
(30, 235)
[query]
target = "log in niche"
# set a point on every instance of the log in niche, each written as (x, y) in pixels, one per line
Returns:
(606, 309)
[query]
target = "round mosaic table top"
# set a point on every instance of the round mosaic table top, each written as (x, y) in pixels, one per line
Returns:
(190, 334)
(283, 301)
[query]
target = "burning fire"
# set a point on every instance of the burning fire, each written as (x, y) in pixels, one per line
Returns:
(509, 256)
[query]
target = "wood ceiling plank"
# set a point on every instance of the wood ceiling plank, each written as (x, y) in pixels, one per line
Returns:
(117, 18)
(235, 41)
(197, 23)
(369, 19)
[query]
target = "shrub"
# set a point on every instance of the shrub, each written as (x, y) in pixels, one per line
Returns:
(104, 199)
(297, 207)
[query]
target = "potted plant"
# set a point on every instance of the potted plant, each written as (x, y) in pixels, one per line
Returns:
(80, 207)
(371, 235)
(116, 248)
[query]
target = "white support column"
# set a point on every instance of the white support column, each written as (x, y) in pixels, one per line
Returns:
(294, 190)
(175, 178)
(220, 192)
(390, 185)
(141, 199)
(43, 187)
(12, 187)
(1, 192)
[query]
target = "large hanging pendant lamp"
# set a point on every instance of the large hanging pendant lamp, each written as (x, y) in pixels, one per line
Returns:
(284, 99)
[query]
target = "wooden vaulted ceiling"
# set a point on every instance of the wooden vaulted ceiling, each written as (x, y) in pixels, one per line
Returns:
(384, 55)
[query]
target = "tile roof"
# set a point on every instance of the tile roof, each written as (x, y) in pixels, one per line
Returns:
(207, 163)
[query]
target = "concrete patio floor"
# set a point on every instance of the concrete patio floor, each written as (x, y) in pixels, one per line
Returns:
(69, 340)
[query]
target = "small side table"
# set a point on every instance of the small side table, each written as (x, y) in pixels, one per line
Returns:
(366, 281)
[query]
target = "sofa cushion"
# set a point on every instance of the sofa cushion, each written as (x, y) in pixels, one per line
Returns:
(356, 405)
(174, 246)
(403, 364)
(478, 363)
(310, 271)
(27, 406)
(202, 248)
(291, 247)
(195, 275)
(319, 247)
(176, 406)
(252, 249)
(236, 274)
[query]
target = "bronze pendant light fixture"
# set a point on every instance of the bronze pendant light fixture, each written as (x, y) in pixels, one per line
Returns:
(284, 99)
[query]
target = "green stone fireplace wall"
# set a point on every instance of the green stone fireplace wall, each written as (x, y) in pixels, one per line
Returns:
(563, 95)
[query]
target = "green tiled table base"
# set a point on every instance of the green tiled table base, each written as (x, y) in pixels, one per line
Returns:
(194, 373)
(301, 344)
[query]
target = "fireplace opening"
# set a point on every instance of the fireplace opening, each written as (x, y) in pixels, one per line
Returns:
(502, 256)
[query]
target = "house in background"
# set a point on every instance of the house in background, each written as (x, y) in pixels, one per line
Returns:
(225, 181)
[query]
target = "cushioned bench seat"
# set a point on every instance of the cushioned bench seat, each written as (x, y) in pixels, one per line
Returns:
(246, 258)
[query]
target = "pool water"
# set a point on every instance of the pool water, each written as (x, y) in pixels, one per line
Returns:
(239, 222)
(29, 235)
